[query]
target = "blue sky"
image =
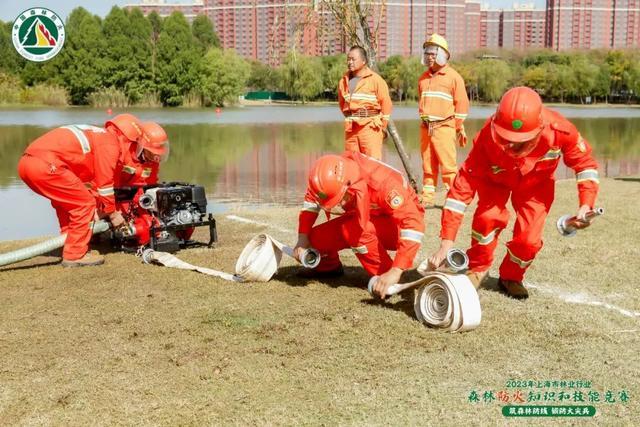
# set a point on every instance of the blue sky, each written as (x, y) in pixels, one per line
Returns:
(10, 9)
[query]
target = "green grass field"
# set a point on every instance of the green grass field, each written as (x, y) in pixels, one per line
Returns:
(128, 343)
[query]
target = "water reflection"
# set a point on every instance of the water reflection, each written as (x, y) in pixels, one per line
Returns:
(267, 163)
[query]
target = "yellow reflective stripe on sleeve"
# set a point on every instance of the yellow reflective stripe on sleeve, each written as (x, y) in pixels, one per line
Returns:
(484, 240)
(412, 235)
(105, 191)
(146, 173)
(429, 188)
(360, 250)
(81, 137)
(386, 116)
(455, 205)
(551, 155)
(129, 169)
(460, 116)
(434, 94)
(587, 175)
(521, 263)
(310, 207)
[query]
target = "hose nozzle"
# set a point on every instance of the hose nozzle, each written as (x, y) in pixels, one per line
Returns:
(566, 223)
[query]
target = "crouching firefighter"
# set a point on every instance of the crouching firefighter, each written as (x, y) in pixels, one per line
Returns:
(74, 167)
(515, 155)
(381, 213)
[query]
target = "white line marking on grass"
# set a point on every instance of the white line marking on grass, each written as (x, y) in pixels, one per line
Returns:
(250, 221)
(582, 298)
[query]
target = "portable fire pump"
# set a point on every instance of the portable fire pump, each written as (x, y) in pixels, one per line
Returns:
(161, 216)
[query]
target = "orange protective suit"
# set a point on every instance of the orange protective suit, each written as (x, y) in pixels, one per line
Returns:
(61, 165)
(383, 214)
(366, 111)
(529, 181)
(443, 107)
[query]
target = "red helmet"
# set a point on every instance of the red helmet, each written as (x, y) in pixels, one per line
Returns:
(519, 115)
(330, 177)
(128, 124)
(154, 140)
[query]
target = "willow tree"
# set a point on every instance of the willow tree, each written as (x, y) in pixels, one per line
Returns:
(360, 23)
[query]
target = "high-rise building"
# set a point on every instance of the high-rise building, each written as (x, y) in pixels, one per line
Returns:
(626, 24)
(164, 9)
(523, 27)
(490, 28)
(472, 17)
(266, 30)
(579, 24)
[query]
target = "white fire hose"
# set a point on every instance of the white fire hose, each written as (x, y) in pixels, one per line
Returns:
(258, 261)
(445, 298)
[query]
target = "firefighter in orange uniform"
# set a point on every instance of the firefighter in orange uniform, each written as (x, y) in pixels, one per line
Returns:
(364, 100)
(381, 213)
(62, 164)
(443, 107)
(515, 156)
(140, 162)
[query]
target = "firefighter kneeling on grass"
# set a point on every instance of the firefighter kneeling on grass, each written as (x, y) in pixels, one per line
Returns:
(381, 213)
(515, 155)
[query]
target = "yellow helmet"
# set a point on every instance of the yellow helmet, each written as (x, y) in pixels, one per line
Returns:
(437, 40)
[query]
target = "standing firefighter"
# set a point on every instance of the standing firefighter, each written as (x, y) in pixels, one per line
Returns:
(140, 162)
(515, 155)
(381, 213)
(443, 107)
(364, 100)
(74, 167)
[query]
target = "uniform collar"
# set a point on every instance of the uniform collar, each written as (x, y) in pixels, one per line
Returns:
(441, 71)
(365, 73)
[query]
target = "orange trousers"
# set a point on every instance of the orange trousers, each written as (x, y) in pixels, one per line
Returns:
(366, 139)
(370, 246)
(491, 217)
(438, 155)
(72, 201)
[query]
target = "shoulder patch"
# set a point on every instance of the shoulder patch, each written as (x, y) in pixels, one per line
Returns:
(394, 199)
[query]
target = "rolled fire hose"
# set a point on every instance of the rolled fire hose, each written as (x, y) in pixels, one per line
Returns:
(445, 298)
(565, 223)
(258, 261)
(448, 302)
(46, 246)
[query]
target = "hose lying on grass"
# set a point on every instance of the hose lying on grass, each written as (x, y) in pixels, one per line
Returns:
(46, 246)
(258, 261)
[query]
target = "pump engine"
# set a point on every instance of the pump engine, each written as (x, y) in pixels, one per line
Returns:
(162, 216)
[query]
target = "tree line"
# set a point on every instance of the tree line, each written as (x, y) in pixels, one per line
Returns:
(129, 59)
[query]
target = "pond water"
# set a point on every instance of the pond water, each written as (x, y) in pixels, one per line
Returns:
(260, 155)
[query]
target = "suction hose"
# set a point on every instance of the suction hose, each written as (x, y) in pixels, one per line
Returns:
(46, 246)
